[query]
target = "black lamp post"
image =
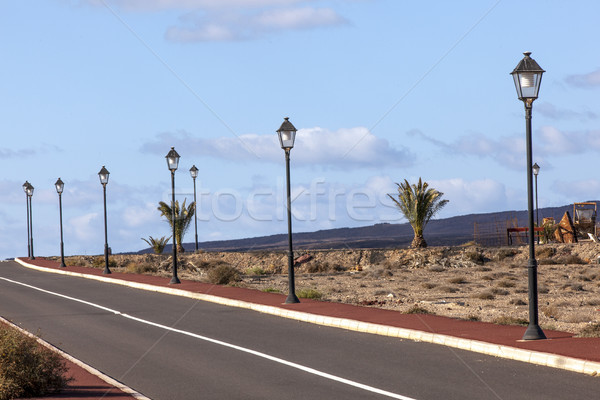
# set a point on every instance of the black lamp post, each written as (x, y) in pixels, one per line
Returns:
(287, 136)
(103, 175)
(536, 171)
(194, 174)
(528, 76)
(172, 162)
(25, 186)
(60, 185)
(29, 192)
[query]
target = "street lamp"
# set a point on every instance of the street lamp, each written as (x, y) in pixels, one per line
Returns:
(25, 186)
(287, 135)
(103, 175)
(528, 76)
(536, 171)
(60, 185)
(194, 174)
(29, 192)
(172, 162)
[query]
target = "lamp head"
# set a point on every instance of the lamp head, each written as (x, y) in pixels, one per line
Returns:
(527, 76)
(172, 159)
(60, 185)
(103, 175)
(287, 134)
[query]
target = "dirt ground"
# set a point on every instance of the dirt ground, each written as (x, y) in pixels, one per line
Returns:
(467, 282)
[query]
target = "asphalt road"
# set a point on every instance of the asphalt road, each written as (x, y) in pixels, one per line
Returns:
(169, 347)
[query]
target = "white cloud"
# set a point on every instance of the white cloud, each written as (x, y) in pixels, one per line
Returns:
(83, 227)
(467, 197)
(509, 151)
(158, 5)
(586, 81)
(344, 148)
(551, 111)
(135, 216)
(239, 24)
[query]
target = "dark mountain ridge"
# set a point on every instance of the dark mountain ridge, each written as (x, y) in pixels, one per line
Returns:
(439, 232)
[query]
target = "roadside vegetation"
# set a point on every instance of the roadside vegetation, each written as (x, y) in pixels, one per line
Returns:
(27, 369)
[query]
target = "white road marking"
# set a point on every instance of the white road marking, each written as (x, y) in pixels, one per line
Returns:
(224, 344)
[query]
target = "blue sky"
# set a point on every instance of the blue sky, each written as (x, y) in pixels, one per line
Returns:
(379, 90)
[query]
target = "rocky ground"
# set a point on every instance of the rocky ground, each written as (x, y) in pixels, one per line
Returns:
(468, 282)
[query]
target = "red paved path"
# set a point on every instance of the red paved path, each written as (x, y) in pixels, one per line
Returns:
(560, 343)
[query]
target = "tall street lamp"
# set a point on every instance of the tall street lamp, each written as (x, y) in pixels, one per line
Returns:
(194, 174)
(29, 192)
(287, 136)
(536, 171)
(60, 185)
(528, 76)
(172, 162)
(103, 175)
(25, 186)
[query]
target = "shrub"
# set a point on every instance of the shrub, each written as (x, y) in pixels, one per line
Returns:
(448, 289)
(508, 320)
(571, 259)
(141, 268)
(309, 294)
(428, 285)
(506, 284)
(28, 369)
(223, 274)
(484, 296)
(544, 252)
(255, 271)
(518, 302)
(99, 262)
(271, 290)
(505, 253)
(458, 280)
(592, 330)
(437, 268)
(475, 256)
(417, 310)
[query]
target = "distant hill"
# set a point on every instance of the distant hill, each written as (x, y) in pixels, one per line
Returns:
(440, 232)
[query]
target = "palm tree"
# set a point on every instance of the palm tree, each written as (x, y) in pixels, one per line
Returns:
(183, 217)
(418, 203)
(158, 245)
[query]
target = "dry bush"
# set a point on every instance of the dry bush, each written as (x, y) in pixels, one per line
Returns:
(550, 311)
(417, 310)
(448, 289)
(578, 317)
(505, 253)
(475, 256)
(428, 285)
(518, 302)
(223, 274)
(141, 268)
(487, 278)
(544, 252)
(509, 320)
(571, 259)
(437, 268)
(499, 292)
(28, 369)
(458, 280)
(506, 284)
(487, 295)
(592, 330)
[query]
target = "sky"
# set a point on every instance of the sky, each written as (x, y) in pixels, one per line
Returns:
(379, 90)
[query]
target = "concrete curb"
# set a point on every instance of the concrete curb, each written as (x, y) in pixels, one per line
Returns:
(477, 346)
(88, 368)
